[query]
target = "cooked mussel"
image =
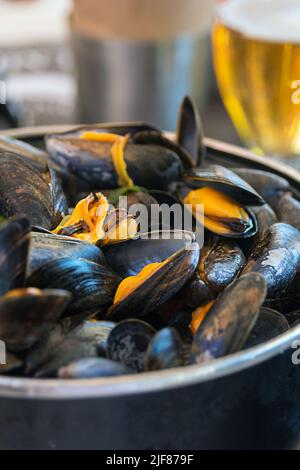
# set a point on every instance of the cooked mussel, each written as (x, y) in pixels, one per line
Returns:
(218, 200)
(130, 257)
(14, 246)
(92, 285)
(107, 158)
(225, 181)
(165, 350)
(277, 258)
(27, 314)
(154, 284)
(63, 345)
(94, 221)
(24, 191)
(220, 262)
(128, 341)
(228, 323)
(160, 140)
(46, 247)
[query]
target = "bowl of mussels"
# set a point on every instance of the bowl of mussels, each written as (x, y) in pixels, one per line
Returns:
(120, 331)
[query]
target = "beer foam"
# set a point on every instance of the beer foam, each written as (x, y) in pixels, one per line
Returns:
(267, 20)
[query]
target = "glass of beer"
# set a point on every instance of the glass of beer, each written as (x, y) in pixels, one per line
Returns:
(256, 48)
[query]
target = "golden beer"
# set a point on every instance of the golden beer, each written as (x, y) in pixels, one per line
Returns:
(256, 46)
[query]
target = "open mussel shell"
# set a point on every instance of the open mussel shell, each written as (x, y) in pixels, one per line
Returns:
(14, 246)
(28, 314)
(128, 342)
(130, 257)
(277, 258)
(91, 368)
(164, 351)
(269, 325)
(46, 247)
(189, 132)
(227, 227)
(64, 345)
(224, 180)
(159, 286)
(228, 323)
(269, 185)
(150, 166)
(23, 191)
(92, 285)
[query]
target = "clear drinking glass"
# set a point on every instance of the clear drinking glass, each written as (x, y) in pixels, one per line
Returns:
(256, 50)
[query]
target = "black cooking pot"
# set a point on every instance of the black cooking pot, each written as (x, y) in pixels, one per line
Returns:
(246, 400)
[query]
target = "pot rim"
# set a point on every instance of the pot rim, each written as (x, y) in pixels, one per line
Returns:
(158, 380)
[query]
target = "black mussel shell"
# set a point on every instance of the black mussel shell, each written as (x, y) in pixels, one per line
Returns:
(228, 323)
(159, 287)
(157, 138)
(181, 320)
(265, 217)
(106, 328)
(277, 258)
(248, 230)
(220, 262)
(128, 341)
(224, 180)
(269, 325)
(91, 368)
(269, 185)
(164, 197)
(130, 257)
(26, 317)
(35, 157)
(59, 200)
(288, 210)
(197, 291)
(47, 247)
(14, 246)
(145, 199)
(165, 351)
(64, 345)
(189, 133)
(23, 191)
(92, 285)
(149, 166)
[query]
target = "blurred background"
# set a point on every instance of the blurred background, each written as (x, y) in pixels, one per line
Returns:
(65, 61)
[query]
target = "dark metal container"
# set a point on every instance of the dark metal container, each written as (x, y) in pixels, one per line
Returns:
(249, 400)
